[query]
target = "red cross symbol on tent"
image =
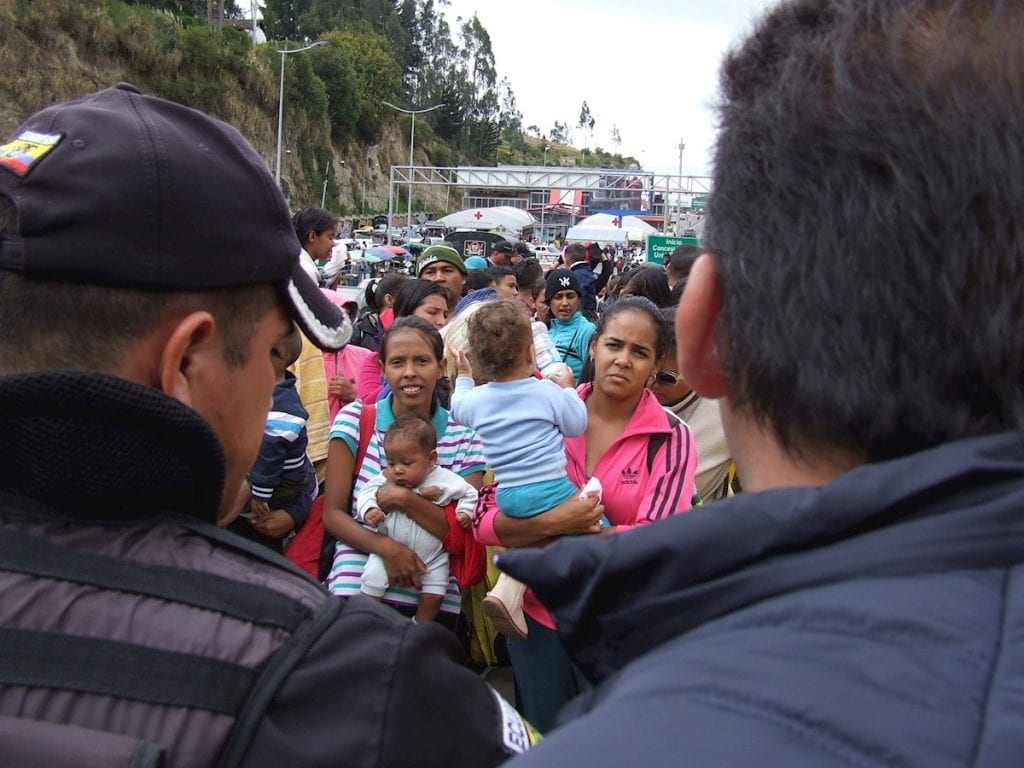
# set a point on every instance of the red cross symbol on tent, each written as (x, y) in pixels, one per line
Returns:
(478, 215)
(615, 221)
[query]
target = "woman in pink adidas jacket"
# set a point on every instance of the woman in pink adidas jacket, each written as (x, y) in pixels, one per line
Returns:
(644, 457)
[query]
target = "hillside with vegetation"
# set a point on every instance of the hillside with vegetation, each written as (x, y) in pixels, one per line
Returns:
(336, 127)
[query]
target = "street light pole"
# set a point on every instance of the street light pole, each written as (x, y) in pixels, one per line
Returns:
(366, 171)
(547, 196)
(280, 104)
(327, 176)
(412, 144)
(679, 183)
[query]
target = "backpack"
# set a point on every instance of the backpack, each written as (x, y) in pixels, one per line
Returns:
(367, 331)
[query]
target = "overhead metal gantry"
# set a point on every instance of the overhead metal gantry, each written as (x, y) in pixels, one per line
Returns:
(527, 178)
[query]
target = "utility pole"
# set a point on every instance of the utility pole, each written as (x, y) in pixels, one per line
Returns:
(412, 144)
(679, 183)
(547, 196)
(366, 171)
(280, 104)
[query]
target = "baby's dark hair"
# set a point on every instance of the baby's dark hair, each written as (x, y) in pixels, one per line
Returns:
(413, 428)
(499, 335)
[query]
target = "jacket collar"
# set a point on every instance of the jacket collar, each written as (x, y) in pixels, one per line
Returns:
(615, 598)
(576, 319)
(97, 447)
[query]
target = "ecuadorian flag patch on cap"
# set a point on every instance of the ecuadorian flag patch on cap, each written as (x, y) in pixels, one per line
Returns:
(27, 149)
(517, 735)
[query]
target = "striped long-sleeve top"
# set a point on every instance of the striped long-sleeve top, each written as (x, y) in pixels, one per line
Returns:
(282, 458)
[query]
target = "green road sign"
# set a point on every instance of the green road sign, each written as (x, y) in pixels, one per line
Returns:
(660, 246)
(699, 203)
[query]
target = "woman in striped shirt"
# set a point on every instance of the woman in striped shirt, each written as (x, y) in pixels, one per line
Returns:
(412, 358)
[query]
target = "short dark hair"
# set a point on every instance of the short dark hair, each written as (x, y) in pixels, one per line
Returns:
(420, 431)
(868, 223)
(414, 292)
(640, 305)
(528, 272)
(49, 325)
(499, 335)
(498, 271)
(681, 260)
(477, 279)
(648, 280)
(536, 288)
(668, 314)
(574, 252)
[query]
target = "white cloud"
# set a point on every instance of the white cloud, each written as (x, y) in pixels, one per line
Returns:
(650, 67)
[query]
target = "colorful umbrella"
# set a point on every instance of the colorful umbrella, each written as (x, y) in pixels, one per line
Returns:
(380, 253)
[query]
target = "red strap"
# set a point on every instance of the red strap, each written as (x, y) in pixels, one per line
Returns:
(367, 423)
(304, 547)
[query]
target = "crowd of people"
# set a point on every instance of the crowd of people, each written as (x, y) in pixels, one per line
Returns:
(842, 346)
(606, 414)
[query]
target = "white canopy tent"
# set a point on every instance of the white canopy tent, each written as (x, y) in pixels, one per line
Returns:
(596, 233)
(503, 217)
(636, 228)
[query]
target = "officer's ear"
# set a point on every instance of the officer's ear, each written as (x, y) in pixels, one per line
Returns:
(189, 349)
(696, 329)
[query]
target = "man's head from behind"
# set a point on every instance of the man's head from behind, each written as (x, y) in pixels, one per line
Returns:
(574, 253)
(866, 224)
(143, 239)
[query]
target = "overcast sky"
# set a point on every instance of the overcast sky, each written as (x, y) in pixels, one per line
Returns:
(648, 66)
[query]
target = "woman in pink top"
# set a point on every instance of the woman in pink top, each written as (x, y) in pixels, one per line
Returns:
(418, 298)
(644, 457)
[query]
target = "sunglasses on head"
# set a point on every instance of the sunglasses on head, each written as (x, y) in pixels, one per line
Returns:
(667, 378)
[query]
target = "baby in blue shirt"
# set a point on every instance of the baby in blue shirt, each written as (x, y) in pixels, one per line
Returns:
(521, 421)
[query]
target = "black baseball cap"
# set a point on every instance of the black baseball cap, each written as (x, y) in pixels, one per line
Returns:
(130, 191)
(504, 246)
